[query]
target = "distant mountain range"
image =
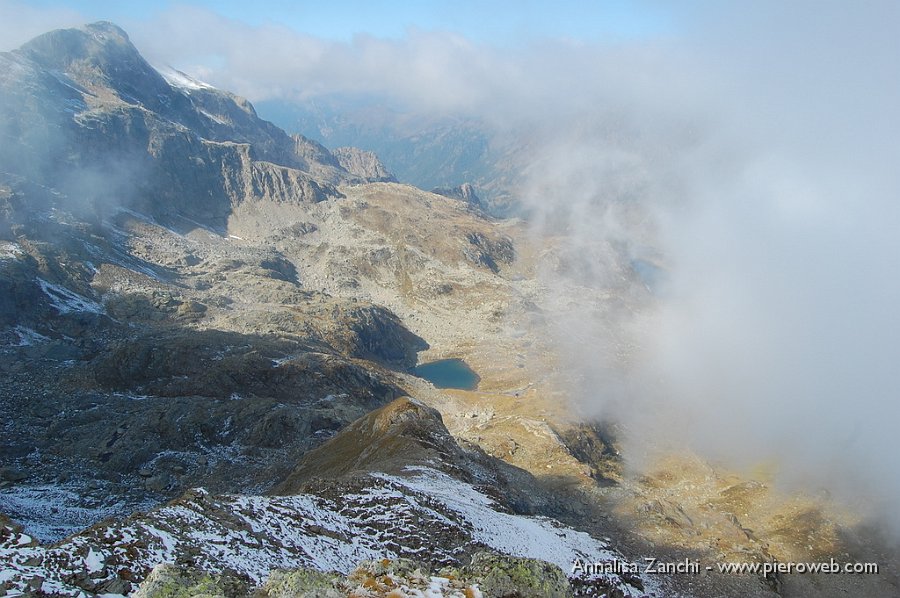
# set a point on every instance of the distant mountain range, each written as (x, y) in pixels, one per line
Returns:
(424, 150)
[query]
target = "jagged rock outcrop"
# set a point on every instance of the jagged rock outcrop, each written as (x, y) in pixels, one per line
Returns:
(402, 434)
(407, 434)
(464, 192)
(318, 160)
(364, 164)
(489, 252)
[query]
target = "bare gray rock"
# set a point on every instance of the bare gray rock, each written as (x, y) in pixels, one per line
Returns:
(364, 164)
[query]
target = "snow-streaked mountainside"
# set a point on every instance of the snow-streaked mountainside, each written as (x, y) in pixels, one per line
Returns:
(85, 114)
(425, 515)
(176, 78)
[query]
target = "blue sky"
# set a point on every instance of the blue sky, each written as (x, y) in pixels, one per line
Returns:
(487, 21)
(446, 53)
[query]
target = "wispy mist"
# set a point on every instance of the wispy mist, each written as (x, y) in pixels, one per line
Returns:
(764, 188)
(747, 158)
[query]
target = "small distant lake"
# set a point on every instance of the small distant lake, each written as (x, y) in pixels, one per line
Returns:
(650, 274)
(448, 373)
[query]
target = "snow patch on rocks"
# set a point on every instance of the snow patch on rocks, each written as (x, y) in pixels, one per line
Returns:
(427, 514)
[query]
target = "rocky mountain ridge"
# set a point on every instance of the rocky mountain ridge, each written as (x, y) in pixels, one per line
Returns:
(110, 129)
(424, 150)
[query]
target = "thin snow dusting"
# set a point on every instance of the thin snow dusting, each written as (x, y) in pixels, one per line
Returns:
(176, 78)
(218, 120)
(50, 512)
(282, 360)
(28, 336)
(10, 250)
(93, 562)
(132, 396)
(134, 213)
(533, 537)
(66, 80)
(427, 516)
(65, 301)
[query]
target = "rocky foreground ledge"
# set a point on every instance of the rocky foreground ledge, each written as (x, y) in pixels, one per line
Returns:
(437, 525)
(449, 539)
(489, 575)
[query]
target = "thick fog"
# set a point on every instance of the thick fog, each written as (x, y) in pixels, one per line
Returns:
(728, 193)
(768, 193)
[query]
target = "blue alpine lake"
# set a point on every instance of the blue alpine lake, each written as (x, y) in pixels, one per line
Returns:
(448, 373)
